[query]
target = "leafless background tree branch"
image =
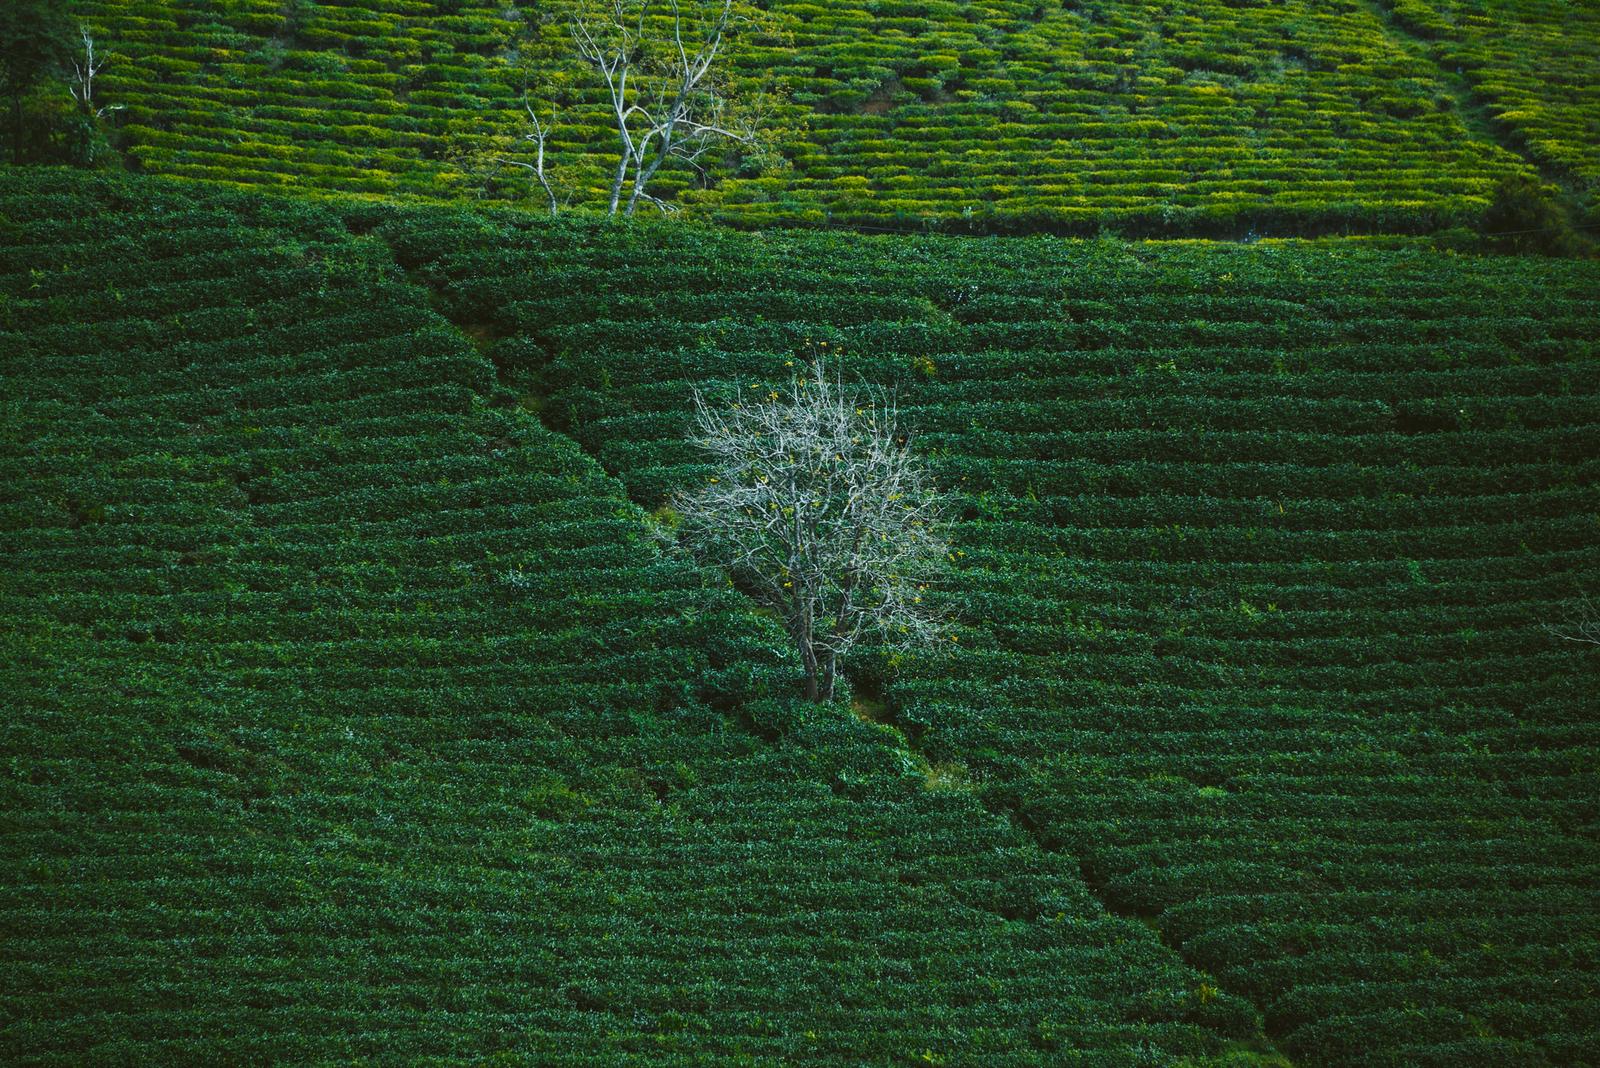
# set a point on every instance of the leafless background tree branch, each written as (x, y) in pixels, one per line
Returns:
(657, 61)
(83, 75)
(539, 138)
(1583, 625)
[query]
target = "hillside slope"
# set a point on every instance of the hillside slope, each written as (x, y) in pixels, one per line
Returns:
(1257, 550)
(1197, 117)
(351, 715)
(1533, 62)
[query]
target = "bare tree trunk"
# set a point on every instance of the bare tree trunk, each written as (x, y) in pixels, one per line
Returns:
(641, 178)
(622, 174)
(808, 659)
(633, 195)
(16, 128)
(829, 661)
(804, 640)
(642, 174)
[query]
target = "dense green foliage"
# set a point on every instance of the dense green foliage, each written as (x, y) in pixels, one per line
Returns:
(1535, 62)
(354, 711)
(1258, 545)
(35, 41)
(1201, 116)
(352, 715)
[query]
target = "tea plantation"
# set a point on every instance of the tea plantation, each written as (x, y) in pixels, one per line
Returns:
(356, 709)
(351, 716)
(1200, 116)
(1534, 70)
(1257, 552)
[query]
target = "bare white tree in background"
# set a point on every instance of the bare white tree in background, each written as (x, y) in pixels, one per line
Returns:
(83, 75)
(821, 513)
(667, 99)
(538, 138)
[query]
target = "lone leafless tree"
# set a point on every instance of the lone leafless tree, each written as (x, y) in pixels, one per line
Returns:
(667, 101)
(820, 512)
(83, 75)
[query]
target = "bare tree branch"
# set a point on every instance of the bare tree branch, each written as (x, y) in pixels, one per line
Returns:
(817, 509)
(1583, 625)
(538, 138)
(83, 75)
(664, 101)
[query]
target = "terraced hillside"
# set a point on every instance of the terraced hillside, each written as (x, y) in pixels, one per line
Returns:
(351, 715)
(1202, 116)
(1258, 546)
(1533, 62)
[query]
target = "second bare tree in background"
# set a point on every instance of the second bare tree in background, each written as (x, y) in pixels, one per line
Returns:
(661, 69)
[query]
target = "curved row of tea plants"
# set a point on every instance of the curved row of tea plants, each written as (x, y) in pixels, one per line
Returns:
(351, 715)
(1202, 117)
(1256, 552)
(1535, 63)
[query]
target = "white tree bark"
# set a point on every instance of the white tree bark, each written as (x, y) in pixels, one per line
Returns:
(820, 512)
(538, 138)
(83, 75)
(665, 101)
